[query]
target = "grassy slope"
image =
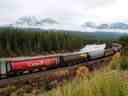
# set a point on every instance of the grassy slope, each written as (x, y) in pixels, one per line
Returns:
(100, 84)
(105, 83)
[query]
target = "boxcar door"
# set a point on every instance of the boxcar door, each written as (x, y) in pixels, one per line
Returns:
(3, 67)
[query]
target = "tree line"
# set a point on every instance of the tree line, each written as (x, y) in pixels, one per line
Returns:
(124, 41)
(24, 42)
(29, 42)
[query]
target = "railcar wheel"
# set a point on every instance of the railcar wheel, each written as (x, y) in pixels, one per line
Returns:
(3, 76)
(43, 69)
(30, 71)
(10, 74)
(0, 78)
(19, 73)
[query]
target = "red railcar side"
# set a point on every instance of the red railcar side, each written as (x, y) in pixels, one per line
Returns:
(34, 63)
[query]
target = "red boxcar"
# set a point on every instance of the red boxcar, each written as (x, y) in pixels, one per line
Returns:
(34, 63)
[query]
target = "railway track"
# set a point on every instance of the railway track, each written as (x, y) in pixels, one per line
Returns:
(44, 77)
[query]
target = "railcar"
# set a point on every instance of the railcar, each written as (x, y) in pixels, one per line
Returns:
(108, 52)
(96, 54)
(116, 47)
(73, 58)
(20, 65)
(94, 51)
(40, 63)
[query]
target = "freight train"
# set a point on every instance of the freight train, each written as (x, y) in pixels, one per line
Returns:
(20, 66)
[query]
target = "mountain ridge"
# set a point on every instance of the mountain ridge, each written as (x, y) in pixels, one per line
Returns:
(52, 24)
(113, 25)
(34, 21)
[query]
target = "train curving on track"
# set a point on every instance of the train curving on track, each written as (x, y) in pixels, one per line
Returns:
(13, 71)
(14, 66)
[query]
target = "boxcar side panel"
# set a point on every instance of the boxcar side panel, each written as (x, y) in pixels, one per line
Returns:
(30, 64)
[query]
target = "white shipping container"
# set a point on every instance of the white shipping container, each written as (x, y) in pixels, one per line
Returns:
(94, 50)
(96, 53)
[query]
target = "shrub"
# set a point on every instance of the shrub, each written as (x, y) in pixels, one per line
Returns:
(124, 64)
(7, 90)
(100, 84)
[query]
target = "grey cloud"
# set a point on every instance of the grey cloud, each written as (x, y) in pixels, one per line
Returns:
(62, 9)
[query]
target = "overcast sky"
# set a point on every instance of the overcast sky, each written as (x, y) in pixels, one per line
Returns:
(66, 11)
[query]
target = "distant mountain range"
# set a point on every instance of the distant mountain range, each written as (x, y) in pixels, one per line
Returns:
(99, 31)
(115, 25)
(33, 21)
(52, 24)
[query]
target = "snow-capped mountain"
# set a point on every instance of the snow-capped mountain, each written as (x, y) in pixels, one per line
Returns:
(119, 25)
(33, 21)
(53, 24)
(45, 23)
(90, 25)
(103, 26)
(26, 21)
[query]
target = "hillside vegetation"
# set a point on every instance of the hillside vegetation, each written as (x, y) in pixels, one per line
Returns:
(21, 42)
(101, 83)
(28, 42)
